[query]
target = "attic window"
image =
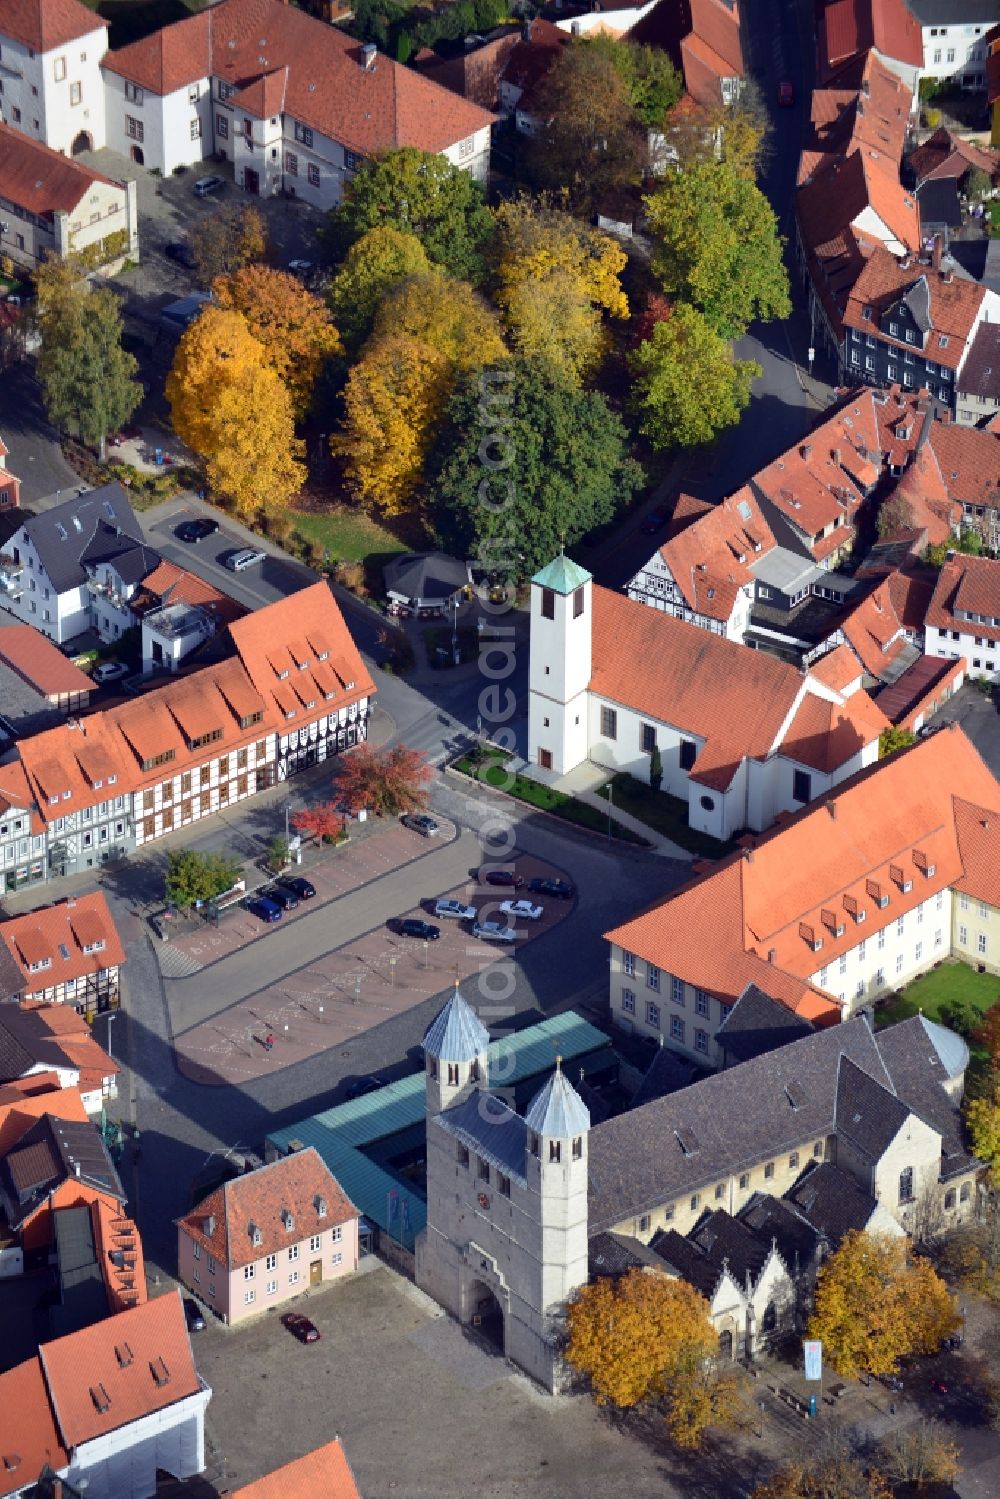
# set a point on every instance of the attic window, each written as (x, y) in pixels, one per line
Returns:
(249, 719)
(795, 1094)
(866, 313)
(878, 895)
(96, 946)
(256, 1237)
(63, 951)
(124, 1355)
(101, 1398)
(687, 1140)
(831, 920)
(320, 1207)
(288, 1220)
(39, 964)
(809, 937)
(943, 340)
(159, 1371)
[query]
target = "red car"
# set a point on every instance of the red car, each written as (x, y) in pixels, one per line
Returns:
(786, 93)
(304, 1330)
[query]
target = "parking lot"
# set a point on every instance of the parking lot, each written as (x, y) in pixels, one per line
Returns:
(979, 715)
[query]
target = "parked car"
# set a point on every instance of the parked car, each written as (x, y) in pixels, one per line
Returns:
(786, 93)
(362, 1085)
(422, 824)
(301, 268)
(455, 909)
(653, 522)
(522, 910)
(196, 530)
(302, 889)
(560, 889)
(110, 671)
(238, 562)
(207, 185)
(178, 251)
(303, 1329)
(505, 877)
(411, 927)
(193, 1316)
(281, 897)
(493, 931)
(263, 909)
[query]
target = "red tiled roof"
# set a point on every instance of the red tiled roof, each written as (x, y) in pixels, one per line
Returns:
(838, 196)
(717, 24)
(920, 690)
(168, 59)
(968, 459)
(45, 24)
(954, 303)
(875, 632)
(116, 1371)
(992, 40)
(119, 1251)
(744, 920)
(70, 923)
(40, 663)
(40, 180)
(979, 845)
(30, 1439)
(325, 1472)
(328, 88)
(923, 487)
(847, 27)
(710, 558)
(837, 669)
(967, 585)
(826, 735)
(224, 1222)
(23, 1101)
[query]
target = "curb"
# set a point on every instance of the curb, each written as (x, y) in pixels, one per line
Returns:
(563, 822)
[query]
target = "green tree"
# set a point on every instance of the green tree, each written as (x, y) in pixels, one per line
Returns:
(591, 144)
(523, 464)
(193, 878)
(417, 193)
(373, 266)
(88, 380)
(875, 1304)
(969, 542)
(688, 384)
(977, 184)
(982, 1118)
(656, 768)
(652, 83)
(922, 1453)
(892, 739)
(718, 247)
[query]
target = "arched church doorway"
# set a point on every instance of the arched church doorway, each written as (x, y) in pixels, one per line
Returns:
(486, 1314)
(726, 1346)
(83, 142)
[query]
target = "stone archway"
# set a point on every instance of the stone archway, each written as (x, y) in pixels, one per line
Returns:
(138, 157)
(486, 1314)
(83, 142)
(726, 1346)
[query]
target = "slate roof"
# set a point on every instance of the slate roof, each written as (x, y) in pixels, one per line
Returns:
(48, 1154)
(456, 1034)
(719, 1242)
(485, 1124)
(131, 559)
(557, 1111)
(614, 1254)
(772, 1218)
(426, 575)
(913, 1059)
(667, 1072)
(981, 372)
(758, 1024)
(62, 535)
(831, 1201)
(867, 1113)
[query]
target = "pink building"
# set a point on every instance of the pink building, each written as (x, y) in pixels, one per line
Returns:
(265, 1237)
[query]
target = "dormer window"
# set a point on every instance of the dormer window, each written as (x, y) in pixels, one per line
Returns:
(866, 313)
(256, 1237)
(320, 1207)
(96, 946)
(288, 1220)
(39, 964)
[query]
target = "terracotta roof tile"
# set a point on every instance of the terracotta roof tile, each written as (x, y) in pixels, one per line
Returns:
(325, 1472)
(31, 1438)
(970, 585)
(39, 179)
(299, 1183)
(979, 846)
(170, 584)
(954, 304)
(119, 1247)
(168, 59)
(875, 632)
(115, 1372)
(710, 557)
(848, 27)
(837, 669)
(40, 663)
(968, 459)
(23, 1101)
(825, 735)
(68, 924)
(44, 24)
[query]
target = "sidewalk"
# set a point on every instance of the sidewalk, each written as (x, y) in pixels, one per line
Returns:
(582, 782)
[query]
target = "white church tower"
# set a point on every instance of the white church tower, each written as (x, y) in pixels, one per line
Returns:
(559, 667)
(456, 1044)
(558, 1122)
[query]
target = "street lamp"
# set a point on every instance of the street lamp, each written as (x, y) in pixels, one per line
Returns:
(112, 1015)
(426, 944)
(392, 969)
(321, 1012)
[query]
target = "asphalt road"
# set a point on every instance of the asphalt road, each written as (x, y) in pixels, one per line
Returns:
(35, 455)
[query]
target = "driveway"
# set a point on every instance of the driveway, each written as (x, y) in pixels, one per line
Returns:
(35, 455)
(979, 716)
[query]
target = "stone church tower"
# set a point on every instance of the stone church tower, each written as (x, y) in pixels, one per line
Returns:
(559, 667)
(506, 1237)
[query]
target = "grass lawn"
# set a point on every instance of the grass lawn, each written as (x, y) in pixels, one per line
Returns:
(347, 534)
(534, 794)
(664, 814)
(951, 983)
(995, 219)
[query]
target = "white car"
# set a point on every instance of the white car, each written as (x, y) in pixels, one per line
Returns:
(206, 185)
(493, 931)
(110, 671)
(238, 562)
(521, 910)
(455, 909)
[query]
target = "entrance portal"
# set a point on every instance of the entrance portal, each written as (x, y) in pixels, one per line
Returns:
(83, 142)
(315, 1272)
(487, 1314)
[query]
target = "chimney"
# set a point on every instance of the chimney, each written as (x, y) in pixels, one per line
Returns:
(831, 807)
(806, 451)
(936, 253)
(369, 52)
(835, 454)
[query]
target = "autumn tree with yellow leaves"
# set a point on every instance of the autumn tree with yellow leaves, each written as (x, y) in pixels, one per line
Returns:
(647, 1336)
(294, 327)
(556, 279)
(876, 1304)
(372, 268)
(227, 404)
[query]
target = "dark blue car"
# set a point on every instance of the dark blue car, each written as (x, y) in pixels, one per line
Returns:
(264, 909)
(280, 897)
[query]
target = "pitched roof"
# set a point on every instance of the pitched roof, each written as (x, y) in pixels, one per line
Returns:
(758, 915)
(953, 303)
(835, 199)
(831, 1201)
(758, 1024)
(117, 1371)
(57, 937)
(735, 701)
(710, 557)
(718, 1244)
(826, 735)
(456, 1034)
(265, 1210)
(40, 663)
(51, 1152)
(557, 1110)
(486, 1124)
(45, 24)
(562, 575)
(169, 584)
(935, 511)
(26, 1099)
(868, 1114)
(62, 535)
(38, 179)
(868, 113)
(967, 585)
(31, 1439)
(980, 374)
(318, 70)
(324, 1471)
(875, 632)
(849, 27)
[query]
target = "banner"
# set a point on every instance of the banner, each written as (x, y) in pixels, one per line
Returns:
(814, 1359)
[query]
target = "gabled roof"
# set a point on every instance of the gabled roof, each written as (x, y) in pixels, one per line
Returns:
(968, 460)
(120, 1370)
(31, 1439)
(40, 663)
(711, 556)
(837, 197)
(39, 179)
(980, 374)
(717, 1245)
(831, 1201)
(57, 935)
(266, 1210)
(167, 59)
(50, 1153)
(967, 585)
(490, 1127)
(324, 1472)
(62, 535)
(758, 1024)
(849, 27)
(953, 304)
(25, 1100)
(868, 1114)
(45, 24)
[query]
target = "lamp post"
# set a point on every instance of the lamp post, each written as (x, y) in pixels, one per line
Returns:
(112, 1015)
(426, 945)
(392, 969)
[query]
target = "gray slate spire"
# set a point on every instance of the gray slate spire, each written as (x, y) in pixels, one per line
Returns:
(558, 1111)
(456, 1034)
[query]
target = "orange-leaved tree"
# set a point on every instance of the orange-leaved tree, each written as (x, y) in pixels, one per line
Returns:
(294, 327)
(830, 1476)
(987, 1032)
(385, 781)
(876, 1304)
(324, 821)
